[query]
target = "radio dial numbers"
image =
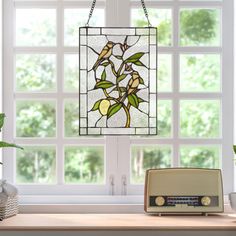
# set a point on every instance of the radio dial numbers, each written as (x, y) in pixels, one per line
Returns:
(160, 201)
(206, 201)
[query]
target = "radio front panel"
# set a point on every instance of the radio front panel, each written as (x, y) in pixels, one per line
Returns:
(183, 190)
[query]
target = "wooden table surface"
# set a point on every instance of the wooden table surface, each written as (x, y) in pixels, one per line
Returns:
(117, 222)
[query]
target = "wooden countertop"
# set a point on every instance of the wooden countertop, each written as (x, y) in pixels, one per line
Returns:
(117, 222)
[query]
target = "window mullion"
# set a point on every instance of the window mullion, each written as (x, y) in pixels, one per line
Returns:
(60, 97)
(8, 88)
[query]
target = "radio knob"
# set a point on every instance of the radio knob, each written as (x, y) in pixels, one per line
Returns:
(206, 201)
(160, 201)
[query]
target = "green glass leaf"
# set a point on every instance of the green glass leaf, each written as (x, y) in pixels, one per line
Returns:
(140, 100)
(105, 64)
(122, 77)
(135, 57)
(104, 84)
(113, 109)
(104, 75)
(234, 147)
(141, 81)
(133, 100)
(5, 145)
(96, 105)
(139, 63)
(2, 117)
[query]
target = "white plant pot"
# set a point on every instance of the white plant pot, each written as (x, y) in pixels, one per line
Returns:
(232, 200)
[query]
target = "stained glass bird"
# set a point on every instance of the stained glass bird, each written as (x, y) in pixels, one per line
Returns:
(133, 84)
(104, 54)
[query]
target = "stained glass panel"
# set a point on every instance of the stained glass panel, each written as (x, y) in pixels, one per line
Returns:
(118, 81)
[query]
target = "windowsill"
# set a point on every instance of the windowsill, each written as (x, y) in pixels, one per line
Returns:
(90, 222)
(50, 204)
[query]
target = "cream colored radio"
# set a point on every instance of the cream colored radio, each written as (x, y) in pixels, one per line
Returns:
(183, 190)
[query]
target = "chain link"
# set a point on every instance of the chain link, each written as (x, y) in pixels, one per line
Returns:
(143, 5)
(146, 13)
(91, 13)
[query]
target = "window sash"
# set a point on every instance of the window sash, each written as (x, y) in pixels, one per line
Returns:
(119, 165)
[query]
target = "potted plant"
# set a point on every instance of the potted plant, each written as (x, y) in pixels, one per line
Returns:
(232, 196)
(8, 193)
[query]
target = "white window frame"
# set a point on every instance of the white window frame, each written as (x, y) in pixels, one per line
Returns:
(117, 149)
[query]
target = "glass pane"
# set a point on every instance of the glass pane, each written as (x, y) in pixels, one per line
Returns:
(200, 27)
(35, 27)
(35, 72)
(84, 165)
(200, 157)
(75, 18)
(164, 118)
(200, 119)
(71, 73)
(164, 73)
(36, 165)
(200, 73)
(161, 18)
(71, 118)
(147, 157)
(35, 119)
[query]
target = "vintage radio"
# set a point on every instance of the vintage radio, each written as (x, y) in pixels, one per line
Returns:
(183, 190)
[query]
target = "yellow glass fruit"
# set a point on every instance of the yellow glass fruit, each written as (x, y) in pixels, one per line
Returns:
(104, 106)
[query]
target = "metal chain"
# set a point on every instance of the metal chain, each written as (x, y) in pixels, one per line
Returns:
(143, 5)
(91, 13)
(146, 13)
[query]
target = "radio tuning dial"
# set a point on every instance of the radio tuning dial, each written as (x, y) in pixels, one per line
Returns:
(160, 201)
(206, 201)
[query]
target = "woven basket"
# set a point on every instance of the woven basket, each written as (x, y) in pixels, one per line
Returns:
(10, 209)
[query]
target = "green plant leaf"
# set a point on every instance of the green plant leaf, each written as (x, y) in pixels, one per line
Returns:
(104, 75)
(133, 100)
(104, 84)
(113, 109)
(135, 57)
(105, 64)
(234, 147)
(96, 105)
(122, 77)
(5, 145)
(2, 117)
(1, 163)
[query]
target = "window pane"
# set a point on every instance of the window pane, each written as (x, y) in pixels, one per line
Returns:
(164, 73)
(75, 18)
(84, 165)
(147, 157)
(71, 118)
(164, 118)
(200, 157)
(35, 119)
(161, 18)
(200, 27)
(35, 72)
(35, 27)
(200, 73)
(71, 73)
(200, 119)
(36, 165)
